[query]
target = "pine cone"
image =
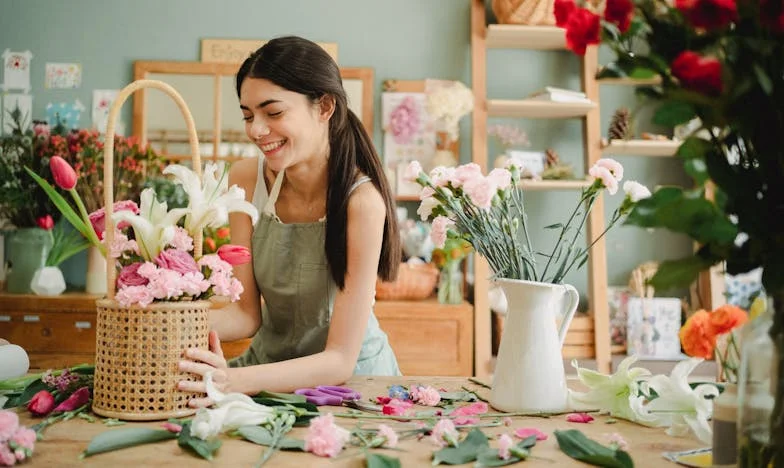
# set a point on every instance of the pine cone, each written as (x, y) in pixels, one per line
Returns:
(620, 125)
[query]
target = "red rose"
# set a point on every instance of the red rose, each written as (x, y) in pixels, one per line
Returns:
(620, 13)
(45, 222)
(41, 404)
(234, 254)
(772, 14)
(582, 29)
(708, 14)
(63, 173)
(177, 260)
(563, 9)
(698, 73)
(77, 399)
(129, 276)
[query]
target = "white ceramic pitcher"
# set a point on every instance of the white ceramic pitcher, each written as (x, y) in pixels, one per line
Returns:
(529, 373)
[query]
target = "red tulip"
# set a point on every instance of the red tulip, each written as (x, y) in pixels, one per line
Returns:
(41, 404)
(64, 175)
(45, 222)
(234, 254)
(76, 400)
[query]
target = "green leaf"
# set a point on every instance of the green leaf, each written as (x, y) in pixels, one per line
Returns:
(469, 448)
(123, 438)
(262, 436)
(62, 205)
(579, 447)
(27, 394)
(202, 448)
(673, 274)
(674, 113)
(458, 396)
(282, 397)
(693, 152)
(489, 457)
(378, 460)
(764, 80)
(554, 226)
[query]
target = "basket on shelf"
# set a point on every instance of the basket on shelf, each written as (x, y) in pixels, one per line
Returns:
(529, 12)
(137, 349)
(414, 282)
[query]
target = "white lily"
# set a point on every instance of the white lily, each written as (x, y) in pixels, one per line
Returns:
(617, 394)
(210, 199)
(231, 411)
(678, 406)
(154, 226)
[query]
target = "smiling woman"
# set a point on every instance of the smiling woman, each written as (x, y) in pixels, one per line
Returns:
(209, 90)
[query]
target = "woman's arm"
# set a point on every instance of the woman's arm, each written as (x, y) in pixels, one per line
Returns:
(350, 315)
(240, 319)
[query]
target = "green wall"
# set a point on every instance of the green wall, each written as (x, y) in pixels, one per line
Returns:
(405, 39)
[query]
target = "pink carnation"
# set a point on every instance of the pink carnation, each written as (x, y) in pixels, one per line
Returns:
(504, 444)
(428, 396)
(615, 168)
(98, 217)
(481, 191)
(438, 230)
(466, 173)
(444, 433)
(324, 437)
(396, 407)
(181, 240)
(412, 171)
(9, 423)
(177, 260)
(25, 438)
(389, 434)
(608, 180)
(7, 457)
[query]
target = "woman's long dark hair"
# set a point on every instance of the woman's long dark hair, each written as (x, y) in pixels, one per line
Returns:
(302, 66)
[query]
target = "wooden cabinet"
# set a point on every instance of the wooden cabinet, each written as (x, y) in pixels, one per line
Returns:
(428, 338)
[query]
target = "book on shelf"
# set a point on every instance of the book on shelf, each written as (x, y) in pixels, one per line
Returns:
(553, 94)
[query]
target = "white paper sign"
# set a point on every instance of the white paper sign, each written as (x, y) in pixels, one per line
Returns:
(63, 75)
(102, 102)
(652, 327)
(16, 74)
(25, 104)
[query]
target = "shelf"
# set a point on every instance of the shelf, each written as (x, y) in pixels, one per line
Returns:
(509, 36)
(528, 108)
(630, 81)
(542, 185)
(658, 148)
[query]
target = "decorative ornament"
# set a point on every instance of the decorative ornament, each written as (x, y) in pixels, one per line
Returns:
(620, 128)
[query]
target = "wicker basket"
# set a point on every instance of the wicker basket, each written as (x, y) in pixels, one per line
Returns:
(137, 349)
(413, 283)
(530, 12)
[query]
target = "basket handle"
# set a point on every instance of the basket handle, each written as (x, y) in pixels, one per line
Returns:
(108, 164)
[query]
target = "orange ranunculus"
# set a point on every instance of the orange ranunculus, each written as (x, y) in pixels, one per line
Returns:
(726, 318)
(697, 335)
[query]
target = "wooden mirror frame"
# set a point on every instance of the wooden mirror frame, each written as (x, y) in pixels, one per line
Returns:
(142, 69)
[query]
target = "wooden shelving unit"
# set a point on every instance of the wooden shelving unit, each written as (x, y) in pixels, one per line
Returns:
(484, 37)
(658, 148)
(533, 109)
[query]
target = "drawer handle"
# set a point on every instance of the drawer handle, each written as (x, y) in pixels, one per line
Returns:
(83, 325)
(5, 318)
(31, 318)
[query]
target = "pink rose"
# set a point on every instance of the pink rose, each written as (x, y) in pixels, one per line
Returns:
(98, 217)
(9, 423)
(177, 260)
(234, 254)
(129, 276)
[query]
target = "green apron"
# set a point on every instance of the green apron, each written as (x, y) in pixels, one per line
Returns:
(293, 276)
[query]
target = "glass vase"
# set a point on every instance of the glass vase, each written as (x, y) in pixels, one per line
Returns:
(757, 386)
(450, 284)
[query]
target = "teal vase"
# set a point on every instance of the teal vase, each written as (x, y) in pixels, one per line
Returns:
(26, 253)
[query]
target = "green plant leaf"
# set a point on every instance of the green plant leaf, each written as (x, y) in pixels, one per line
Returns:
(673, 274)
(378, 460)
(31, 389)
(458, 396)
(202, 448)
(674, 113)
(62, 205)
(579, 447)
(281, 397)
(262, 436)
(764, 80)
(116, 439)
(489, 457)
(693, 152)
(469, 448)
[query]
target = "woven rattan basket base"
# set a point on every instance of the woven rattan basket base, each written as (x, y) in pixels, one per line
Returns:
(137, 354)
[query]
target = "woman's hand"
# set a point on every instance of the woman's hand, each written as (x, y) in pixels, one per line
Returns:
(199, 362)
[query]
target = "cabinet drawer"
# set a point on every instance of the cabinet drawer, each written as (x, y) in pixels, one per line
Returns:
(50, 332)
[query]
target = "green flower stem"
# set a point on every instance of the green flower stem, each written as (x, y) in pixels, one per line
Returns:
(564, 229)
(398, 417)
(92, 236)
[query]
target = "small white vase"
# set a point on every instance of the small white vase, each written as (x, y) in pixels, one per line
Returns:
(95, 282)
(529, 373)
(48, 281)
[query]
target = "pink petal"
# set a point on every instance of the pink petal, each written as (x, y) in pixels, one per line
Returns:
(579, 417)
(463, 420)
(525, 432)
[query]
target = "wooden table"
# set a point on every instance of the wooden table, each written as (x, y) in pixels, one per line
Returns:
(64, 441)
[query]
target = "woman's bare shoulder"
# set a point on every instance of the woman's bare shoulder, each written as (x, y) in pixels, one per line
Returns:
(244, 173)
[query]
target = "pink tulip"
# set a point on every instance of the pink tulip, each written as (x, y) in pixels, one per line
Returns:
(45, 222)
(64, 175)
(234, 254)
(77, 399)
(41, 404)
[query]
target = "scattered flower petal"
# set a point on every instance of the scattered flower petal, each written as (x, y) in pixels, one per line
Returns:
(526, 432)
(579, 417)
